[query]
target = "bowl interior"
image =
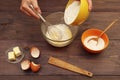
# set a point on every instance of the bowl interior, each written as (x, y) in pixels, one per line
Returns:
(55, 19)
(95, 32)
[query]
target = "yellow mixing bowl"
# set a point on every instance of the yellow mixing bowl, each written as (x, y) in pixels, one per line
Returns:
(83, 12)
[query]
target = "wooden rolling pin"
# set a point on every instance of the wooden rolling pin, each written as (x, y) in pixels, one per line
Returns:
(65, 65)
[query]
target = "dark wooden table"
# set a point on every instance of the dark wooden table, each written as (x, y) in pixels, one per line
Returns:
(18, 29)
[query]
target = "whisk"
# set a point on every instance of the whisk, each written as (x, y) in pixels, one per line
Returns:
(49, 26)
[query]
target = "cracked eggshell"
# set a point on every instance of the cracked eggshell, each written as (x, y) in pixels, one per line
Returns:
(34, 67)
(25, 65)
(35, 52)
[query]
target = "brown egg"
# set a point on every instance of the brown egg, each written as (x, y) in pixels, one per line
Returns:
(34, 67)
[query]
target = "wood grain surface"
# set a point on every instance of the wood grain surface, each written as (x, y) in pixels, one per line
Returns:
(16, 28)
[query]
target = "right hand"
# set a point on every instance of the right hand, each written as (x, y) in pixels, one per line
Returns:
(90, 4)
(26, 9)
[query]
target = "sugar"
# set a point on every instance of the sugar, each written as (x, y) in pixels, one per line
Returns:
(72, 12)
(93, 45)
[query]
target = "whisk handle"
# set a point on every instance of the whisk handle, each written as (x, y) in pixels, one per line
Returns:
(37, 13)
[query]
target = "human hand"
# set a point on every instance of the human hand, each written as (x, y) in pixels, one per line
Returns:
(90, 4)
(26, 9)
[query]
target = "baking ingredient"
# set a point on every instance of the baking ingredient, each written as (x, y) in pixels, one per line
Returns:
(17, 51)
(68, 66)
(25, 65)
(71, 12)
(61, 34)
(14, 54)
(34, 67)
(93, 45)
(11, 56)
(35, 52)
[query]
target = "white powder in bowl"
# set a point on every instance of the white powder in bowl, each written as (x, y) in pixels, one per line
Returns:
(71, 12)
(92, 44)
(58, 33)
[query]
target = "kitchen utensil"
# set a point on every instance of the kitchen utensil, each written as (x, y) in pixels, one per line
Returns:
(82, 14)
(69, 31)
(65, 65)
(106, 29)
(48, 24)
(94, 32)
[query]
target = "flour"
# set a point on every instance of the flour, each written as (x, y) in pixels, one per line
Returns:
(92, 44)
(58, 34)
(72, 12)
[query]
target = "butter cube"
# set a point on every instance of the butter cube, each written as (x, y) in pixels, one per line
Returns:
(17, 51)
(11, 56)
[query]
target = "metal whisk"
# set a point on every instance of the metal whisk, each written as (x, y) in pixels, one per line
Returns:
(47, 24)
